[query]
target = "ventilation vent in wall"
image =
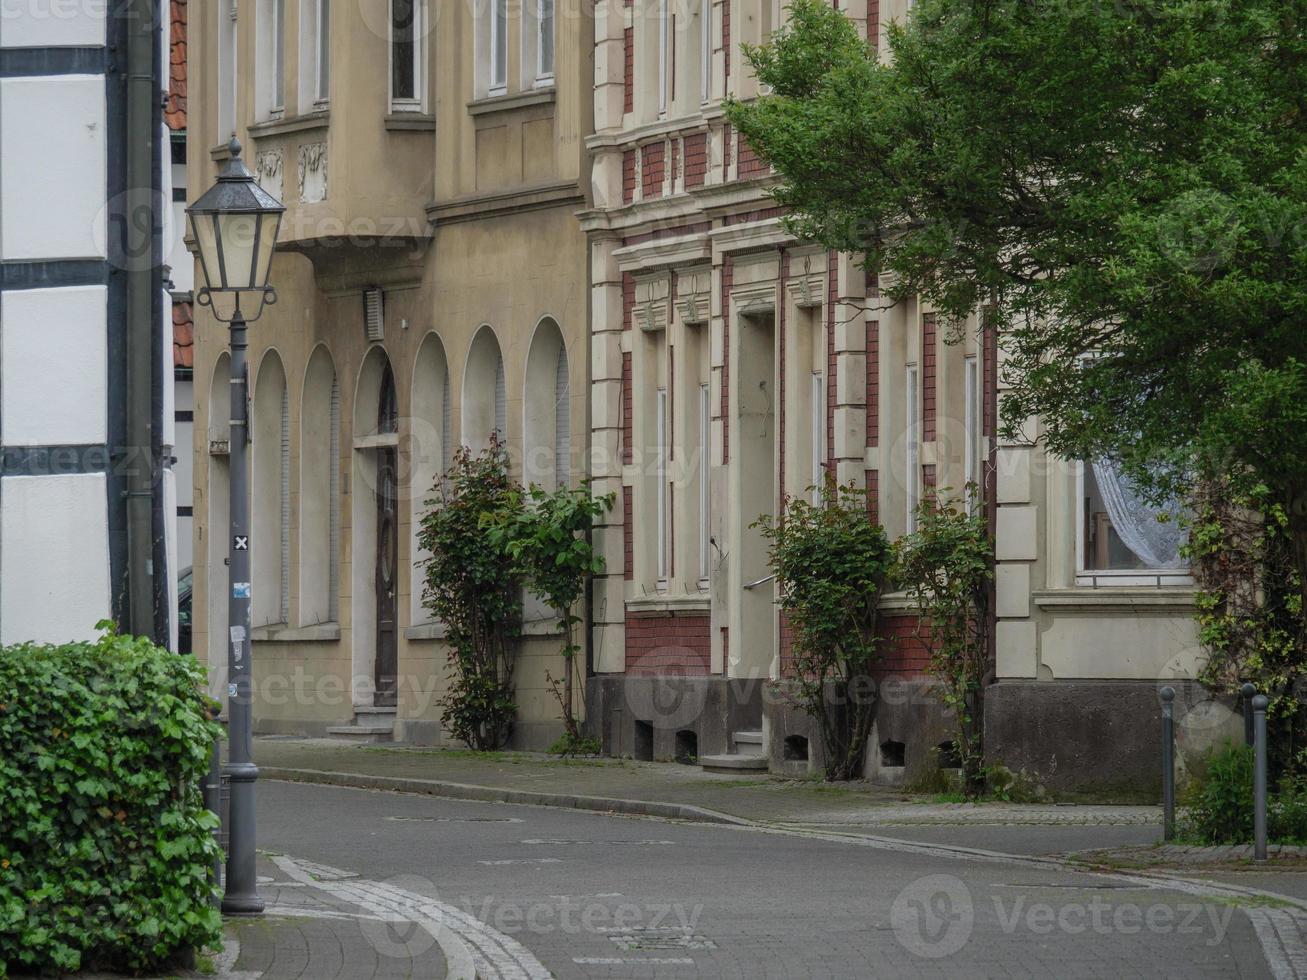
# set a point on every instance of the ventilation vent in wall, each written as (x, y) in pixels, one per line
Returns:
(374, 318)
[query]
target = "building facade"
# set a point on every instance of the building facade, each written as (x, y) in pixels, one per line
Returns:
(431, 285)
(85, 383)
(734, 366)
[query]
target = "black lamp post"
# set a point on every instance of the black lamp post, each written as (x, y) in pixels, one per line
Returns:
(235, 226)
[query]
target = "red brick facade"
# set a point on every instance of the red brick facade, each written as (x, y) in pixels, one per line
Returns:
(928, 386)
(628, 548)
(628, 176)
(628, 70)
(750, 164)
(626, 407)
(668, 645)
(696, 159)
(652, 158)
(728, 280)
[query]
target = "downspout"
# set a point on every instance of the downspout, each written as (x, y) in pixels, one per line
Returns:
(142, 234)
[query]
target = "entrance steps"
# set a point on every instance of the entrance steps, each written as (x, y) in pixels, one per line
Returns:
(371, 724)
(750, 755)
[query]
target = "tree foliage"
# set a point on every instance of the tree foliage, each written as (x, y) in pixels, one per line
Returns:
(946, 565)
(1122, 186)
(547, 536)
(475, 589)
(831, 562)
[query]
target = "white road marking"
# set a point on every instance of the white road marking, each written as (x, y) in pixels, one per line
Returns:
(506, 861)
(620, 960)
(473, 950)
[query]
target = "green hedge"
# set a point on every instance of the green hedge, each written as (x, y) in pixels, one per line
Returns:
(106, 850)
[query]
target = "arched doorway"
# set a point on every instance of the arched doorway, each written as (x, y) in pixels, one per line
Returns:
(385, 582)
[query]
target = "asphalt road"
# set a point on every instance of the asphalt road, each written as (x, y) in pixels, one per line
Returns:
(529, 891)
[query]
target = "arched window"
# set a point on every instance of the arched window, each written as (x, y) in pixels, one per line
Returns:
(270, 503)
(485, 392)
(429, 446)
(319, 538)
(547, 403)
(387, 407)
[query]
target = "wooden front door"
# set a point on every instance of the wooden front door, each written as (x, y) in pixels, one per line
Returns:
(387, 551)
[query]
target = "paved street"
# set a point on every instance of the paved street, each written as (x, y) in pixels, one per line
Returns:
(523, 891)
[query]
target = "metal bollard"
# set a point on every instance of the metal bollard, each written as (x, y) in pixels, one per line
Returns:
(1259, 777)
(1168, 762)
(1247, 693)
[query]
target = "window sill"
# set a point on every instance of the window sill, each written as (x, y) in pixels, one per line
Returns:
(281, 633)
(1169, 598)
(295, 124)
(426, 631)
(693, 604)
(506, 103)
(410, 122)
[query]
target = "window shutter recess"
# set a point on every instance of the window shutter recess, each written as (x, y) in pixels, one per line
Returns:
(501, 400)
(285, 505)
(374, 320)
(333, 509)
(562, 423)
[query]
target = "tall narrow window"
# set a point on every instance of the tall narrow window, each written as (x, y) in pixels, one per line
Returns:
(404, 74)
(562, 421)
(664, 52)
(446, 425)
(322, 81)
(912, 474)
(705, 408)
(544, 41)
(971, 424)
(501, 402)
(278, 54)
(226, 70)
(661, 477)
(818, 412)
(498, 36)
(333, 507)
(705, 49)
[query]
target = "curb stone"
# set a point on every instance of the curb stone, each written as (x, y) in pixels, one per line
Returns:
(494, 794)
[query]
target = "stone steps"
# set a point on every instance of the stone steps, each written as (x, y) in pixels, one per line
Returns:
(750, 755)
(371, 724)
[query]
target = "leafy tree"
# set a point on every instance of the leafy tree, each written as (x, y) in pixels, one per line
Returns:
(547, 535)
(831, 562)
(474, 588)
(946, 566)
(1122, 186)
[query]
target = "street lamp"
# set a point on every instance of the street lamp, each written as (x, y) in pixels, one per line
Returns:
(235, 228)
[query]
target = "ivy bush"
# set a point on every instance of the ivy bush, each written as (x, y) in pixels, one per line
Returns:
(473, 586)
(106, 849)
(831, 562)
(945, 565)
(547, 535)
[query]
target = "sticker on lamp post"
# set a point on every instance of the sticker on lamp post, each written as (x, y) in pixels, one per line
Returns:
(240, 590)
(240, 542)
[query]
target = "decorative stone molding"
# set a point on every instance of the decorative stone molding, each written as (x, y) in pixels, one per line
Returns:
(653, 301)
(268, 171)
(694, 295)
(755, 298)
(313, 172)
(809, 287)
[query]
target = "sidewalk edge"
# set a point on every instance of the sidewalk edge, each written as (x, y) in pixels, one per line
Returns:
(497, 794)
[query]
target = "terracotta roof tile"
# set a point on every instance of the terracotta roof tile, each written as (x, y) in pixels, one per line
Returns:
(183, 336)
(174, 112)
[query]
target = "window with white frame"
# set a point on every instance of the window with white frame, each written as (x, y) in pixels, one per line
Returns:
(493, 47)
(705, 471)
(660, 476)
(912, 445)
(664, 28)
(315, 54)
(270, 45)
(971, 424)
(226, 70)
(406, 77)
(817, 409)
(1124, 537)
(705, 50)
(538, 43)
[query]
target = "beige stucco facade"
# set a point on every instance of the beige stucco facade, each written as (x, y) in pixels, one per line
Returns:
(458, 206)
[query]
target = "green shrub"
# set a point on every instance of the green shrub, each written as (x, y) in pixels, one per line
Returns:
(106, 850)
(1219, 807)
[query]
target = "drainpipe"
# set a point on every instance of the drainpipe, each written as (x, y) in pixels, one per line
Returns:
(142, 243)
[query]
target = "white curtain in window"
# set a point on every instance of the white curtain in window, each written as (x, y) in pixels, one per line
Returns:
(501, 401)
(562, 422)
(1155, 542)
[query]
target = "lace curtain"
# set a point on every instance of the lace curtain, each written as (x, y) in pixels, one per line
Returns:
(1155, 542)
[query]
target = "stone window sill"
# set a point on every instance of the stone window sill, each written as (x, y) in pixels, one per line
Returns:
(692, 604)
(410, 122)
(1140, 599)
(294, 124)
(281, 633)
(506, 103)
(426, 631)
